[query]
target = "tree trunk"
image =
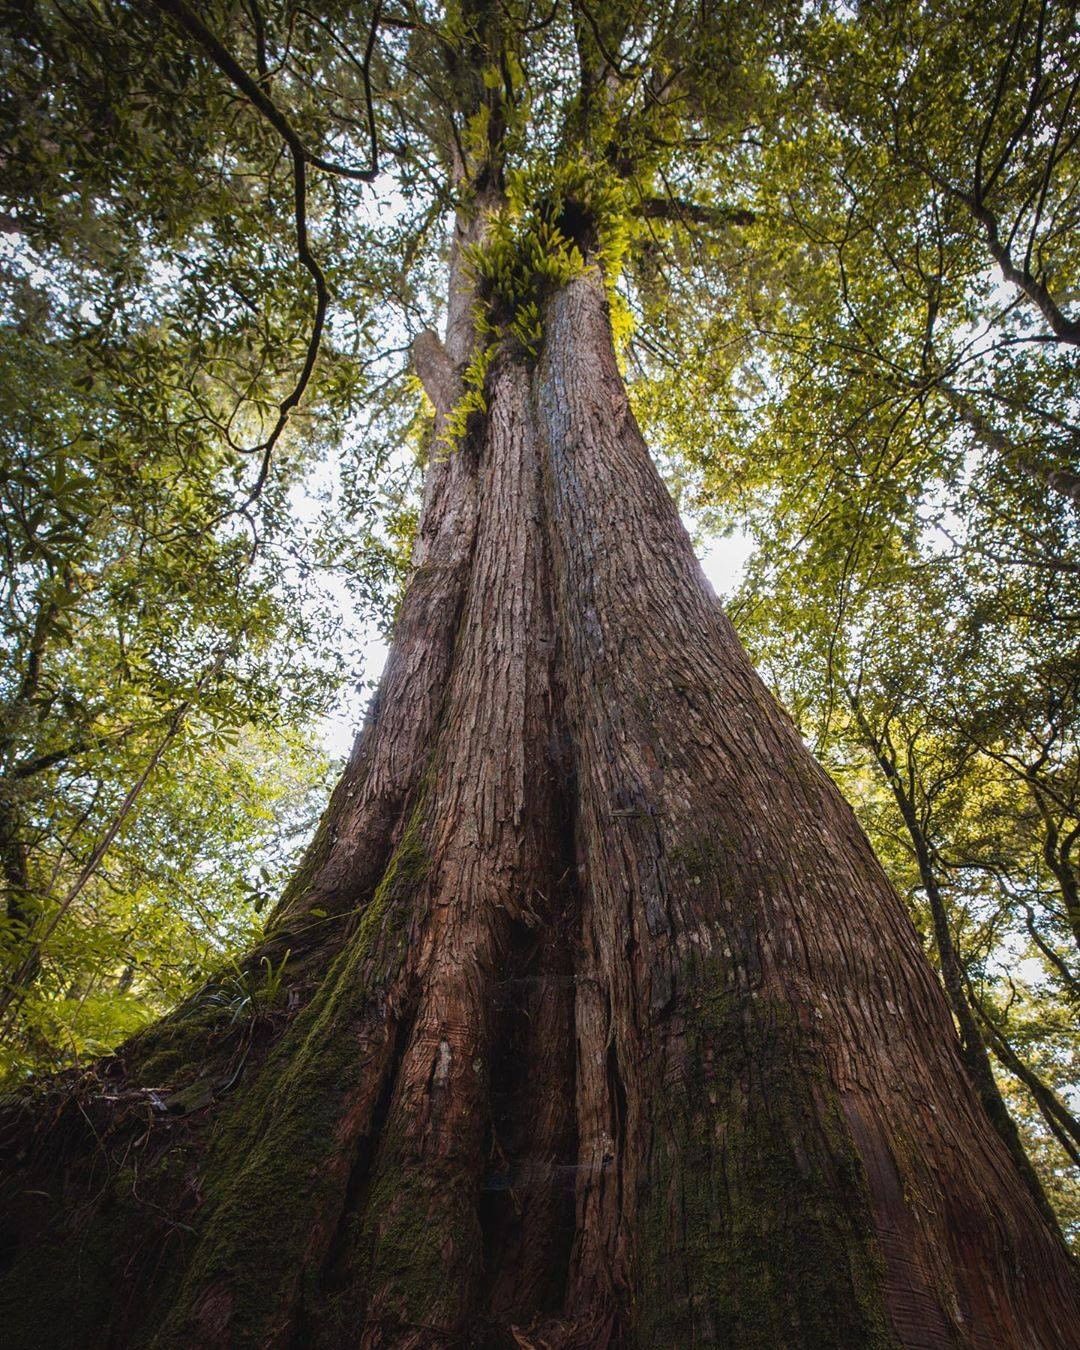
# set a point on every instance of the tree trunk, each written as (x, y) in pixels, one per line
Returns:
(613, 1032)
(15, 874)
(1057, 1117)
(973, 1049)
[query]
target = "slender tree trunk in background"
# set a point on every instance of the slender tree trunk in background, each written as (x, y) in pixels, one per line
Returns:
(972, 1043)
(20, 908)
(1060, 1121)
(1058, 853)
(613, 1032)
(13, 867)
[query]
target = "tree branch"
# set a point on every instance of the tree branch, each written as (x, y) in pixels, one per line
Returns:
(1063, 328)
(695, 213)
(256, 94)
(1062, 481)
(436, 372)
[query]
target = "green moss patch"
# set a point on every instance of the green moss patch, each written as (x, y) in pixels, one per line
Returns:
(272, 1176)
(756, 1229)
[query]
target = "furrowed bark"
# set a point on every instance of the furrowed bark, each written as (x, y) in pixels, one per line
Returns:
(615, 1033)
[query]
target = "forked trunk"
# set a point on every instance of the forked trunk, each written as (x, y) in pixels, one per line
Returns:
(613, 1031)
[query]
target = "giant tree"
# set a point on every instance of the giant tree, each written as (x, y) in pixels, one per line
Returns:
(589, 1018)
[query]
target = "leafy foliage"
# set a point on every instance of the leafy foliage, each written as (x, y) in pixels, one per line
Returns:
(158, 615)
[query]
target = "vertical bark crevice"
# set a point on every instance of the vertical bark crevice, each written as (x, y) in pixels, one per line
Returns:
(494, 851)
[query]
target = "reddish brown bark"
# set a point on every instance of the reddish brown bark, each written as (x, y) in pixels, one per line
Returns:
(614, 1033)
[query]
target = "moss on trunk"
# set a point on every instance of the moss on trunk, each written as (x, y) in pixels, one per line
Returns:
(757, 1186)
